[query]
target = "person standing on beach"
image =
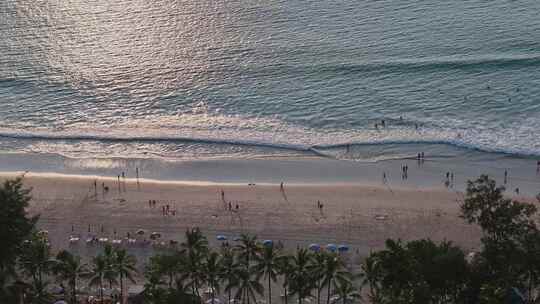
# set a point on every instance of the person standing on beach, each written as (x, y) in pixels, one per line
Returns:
(406, 171)
(505, 176)
(281, 187)
(137, 176)
(95, 187)
(124, 181)
(384, 180)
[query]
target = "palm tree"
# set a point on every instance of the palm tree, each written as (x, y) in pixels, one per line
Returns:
(36, 262)
(69, 268)
(212, 272)
(109, 256)
(317, 268)
(195, 241)
(346, 291)
(124, 265)
(99, 273)
(167, 265)
(285, 269)
(229, 270)
(248, 287)
(247, 249)
(301, 277)
(153, 293)
(267, 266)
(196, 248)
(371, 276)
(333, 270)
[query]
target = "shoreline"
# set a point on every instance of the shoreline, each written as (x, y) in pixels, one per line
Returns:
(523, 173)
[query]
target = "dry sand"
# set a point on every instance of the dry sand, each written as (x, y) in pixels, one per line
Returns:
(361, 216)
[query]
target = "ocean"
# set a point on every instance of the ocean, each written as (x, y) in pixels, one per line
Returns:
(192, 80)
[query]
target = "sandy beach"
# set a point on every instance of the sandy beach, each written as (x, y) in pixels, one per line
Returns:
(362, 217)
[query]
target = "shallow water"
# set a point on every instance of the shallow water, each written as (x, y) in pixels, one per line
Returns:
(244, 79)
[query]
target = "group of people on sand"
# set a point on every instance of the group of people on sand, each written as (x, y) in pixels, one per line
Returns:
(420, 157)
(320, 206)
(165, 209)
(404, 172)
(229, 204)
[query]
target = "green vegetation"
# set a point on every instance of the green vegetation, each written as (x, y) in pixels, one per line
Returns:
(505, 270)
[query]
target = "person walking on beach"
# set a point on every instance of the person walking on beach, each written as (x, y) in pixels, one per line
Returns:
(281, 187)
(384, 180)
(505, 176)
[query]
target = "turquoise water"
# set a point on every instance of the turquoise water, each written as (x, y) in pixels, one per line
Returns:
(243, 79)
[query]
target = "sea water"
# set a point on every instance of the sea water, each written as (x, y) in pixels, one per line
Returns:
(248, 79)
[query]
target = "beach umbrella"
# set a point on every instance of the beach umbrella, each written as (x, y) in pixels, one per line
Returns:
(343, 248)
(314, 247)
(236, 238)
(155, 235)
(331, 247)
(140, 232)
(221, 238)
(268, 242)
